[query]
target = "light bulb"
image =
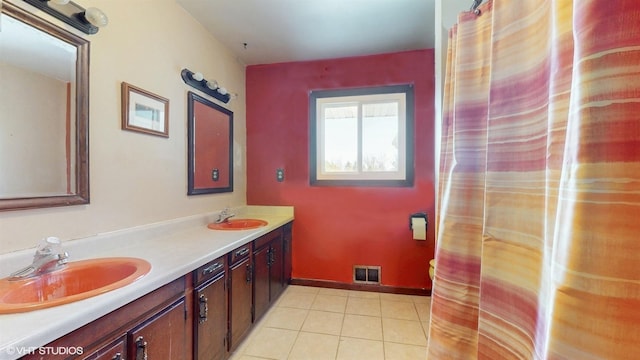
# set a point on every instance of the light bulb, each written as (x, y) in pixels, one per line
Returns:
(60, 2)
(212, 84)
(96, 17)
(197, 76)
(222, 91)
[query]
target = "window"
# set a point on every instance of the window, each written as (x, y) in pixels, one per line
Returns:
(362, 137)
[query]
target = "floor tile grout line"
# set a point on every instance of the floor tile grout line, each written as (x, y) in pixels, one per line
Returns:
(294, 344)
(379, 300)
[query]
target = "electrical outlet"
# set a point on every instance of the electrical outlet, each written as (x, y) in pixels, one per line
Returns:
(215, 174)
(280, 175)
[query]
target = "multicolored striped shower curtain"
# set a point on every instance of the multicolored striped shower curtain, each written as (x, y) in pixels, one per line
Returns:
(538, 253)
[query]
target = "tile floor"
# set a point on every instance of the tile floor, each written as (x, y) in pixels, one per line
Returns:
(308, 323)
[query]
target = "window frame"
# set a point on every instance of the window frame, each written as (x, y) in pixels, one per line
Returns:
(321, 95)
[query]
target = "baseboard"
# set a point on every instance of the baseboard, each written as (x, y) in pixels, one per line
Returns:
(361, 287)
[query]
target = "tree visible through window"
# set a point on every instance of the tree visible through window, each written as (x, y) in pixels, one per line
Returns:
(362, 136)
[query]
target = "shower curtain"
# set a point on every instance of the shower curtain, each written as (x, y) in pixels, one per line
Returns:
(538, 253)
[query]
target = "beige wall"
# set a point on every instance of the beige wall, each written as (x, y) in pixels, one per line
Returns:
(50, 154)
(135, 178)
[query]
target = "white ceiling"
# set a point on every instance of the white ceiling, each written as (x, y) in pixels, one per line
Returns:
(25, 47)
(299, 30)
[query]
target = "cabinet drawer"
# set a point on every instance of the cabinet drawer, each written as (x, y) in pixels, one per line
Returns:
(267, 238)
(240, 253)
(117, 350)
(209, 270)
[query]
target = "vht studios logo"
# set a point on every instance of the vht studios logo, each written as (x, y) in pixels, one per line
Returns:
(45, 350)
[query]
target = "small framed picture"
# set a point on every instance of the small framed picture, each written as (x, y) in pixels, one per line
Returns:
(144, 112)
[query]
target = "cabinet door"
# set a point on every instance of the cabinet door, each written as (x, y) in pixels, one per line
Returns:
(240, 301)
(276, 271)
(163, 336)
(261, 263)
(210, 320)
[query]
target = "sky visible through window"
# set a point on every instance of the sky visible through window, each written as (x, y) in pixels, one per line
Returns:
(379, 147)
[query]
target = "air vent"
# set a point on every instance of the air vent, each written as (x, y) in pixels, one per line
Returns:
(364, 274)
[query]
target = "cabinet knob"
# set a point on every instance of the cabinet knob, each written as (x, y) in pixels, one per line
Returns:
(249, 270)
(203, 308)
(141, 348)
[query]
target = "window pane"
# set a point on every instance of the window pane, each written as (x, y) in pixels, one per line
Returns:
(341, 139)
(380, 137)
(361, 137)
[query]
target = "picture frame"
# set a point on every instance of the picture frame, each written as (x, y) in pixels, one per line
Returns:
(144, 111)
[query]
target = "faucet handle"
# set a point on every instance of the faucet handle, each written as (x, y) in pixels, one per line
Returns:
(63, 258)
(48, 246)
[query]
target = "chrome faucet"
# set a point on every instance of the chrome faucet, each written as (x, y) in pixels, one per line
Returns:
(224, 216)
(48, 257)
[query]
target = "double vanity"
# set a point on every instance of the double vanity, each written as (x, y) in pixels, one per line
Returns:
(205, 288)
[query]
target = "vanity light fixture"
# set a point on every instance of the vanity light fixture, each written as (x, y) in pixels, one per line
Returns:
(85, 20)
(209, 87)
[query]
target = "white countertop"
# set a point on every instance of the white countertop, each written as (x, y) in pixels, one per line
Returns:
(174, 248)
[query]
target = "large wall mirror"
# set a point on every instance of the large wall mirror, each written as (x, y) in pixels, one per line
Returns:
(44, 113)
(210, 141)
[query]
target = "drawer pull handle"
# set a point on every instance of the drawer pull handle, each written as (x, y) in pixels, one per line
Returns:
(212, 268)
(204, 308)
(242, 252)
(141, 348)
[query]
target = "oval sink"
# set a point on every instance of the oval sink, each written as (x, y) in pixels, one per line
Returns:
(238, 224)
(76, 281)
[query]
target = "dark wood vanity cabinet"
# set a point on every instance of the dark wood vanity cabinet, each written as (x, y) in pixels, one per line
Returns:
(114, 351)
(240, 294)
(233, 291)
(269, 271)
(210, 311)
(155, 325)
(203, 315)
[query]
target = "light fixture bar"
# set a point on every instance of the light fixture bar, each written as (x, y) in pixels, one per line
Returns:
(70, 13)
(211, 88)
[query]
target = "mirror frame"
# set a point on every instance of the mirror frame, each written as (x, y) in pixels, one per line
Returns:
(192, 190)
(81, 173)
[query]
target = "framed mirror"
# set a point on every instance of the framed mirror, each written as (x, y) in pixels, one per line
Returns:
(210, 142)
(44, 113)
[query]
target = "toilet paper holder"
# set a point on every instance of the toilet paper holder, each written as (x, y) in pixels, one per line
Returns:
(422, 215)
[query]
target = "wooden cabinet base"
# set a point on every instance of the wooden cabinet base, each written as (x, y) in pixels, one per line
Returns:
(202, 315)
(104, 337)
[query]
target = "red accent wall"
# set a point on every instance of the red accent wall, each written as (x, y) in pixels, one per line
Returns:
(338, 227)
(212, 135)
